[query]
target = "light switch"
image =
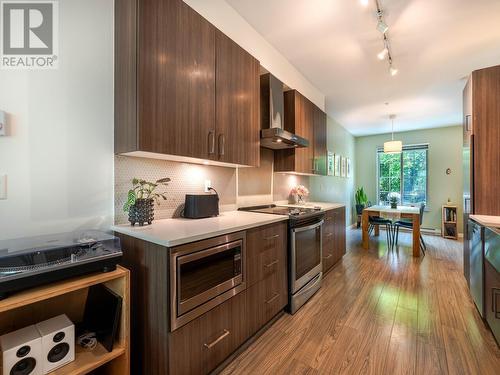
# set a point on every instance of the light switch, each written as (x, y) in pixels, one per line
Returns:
(3, 186)
(3, 125)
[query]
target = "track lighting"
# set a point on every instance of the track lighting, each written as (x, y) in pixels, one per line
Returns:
(382, 54)
(364, 2)
(393, 71)
(382, 26)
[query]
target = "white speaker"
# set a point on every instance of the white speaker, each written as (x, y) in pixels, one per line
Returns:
(22, 352)
(58, 342)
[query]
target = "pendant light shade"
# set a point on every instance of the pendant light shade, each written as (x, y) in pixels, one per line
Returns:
(392, 146)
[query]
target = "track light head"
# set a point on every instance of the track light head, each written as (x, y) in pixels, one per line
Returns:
(382, 26)
(382, 54)
(364, 2)
(393, 71)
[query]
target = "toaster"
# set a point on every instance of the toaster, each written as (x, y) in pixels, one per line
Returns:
(198, 206)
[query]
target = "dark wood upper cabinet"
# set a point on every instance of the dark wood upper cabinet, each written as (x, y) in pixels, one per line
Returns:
(320, 147)
(182, 87)
(303, 118)
(237, 103)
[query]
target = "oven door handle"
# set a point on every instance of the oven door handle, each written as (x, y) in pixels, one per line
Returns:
(309, 227)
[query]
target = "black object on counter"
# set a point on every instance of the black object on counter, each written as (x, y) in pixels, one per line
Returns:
(198, 206)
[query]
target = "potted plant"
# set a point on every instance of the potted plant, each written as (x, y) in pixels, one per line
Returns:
(141, 198)
(394, 199)
(301, 192)
(361, 200)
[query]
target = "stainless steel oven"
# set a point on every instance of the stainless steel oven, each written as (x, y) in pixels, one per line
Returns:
(306, 259)
(204, 274)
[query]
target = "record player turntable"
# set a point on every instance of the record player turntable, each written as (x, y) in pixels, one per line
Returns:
(29, 262)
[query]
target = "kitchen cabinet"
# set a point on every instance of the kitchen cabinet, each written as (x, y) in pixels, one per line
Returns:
(320, 147)
(334, 237)
(201, 344)
(303, 118)
(267, 294)
(492, 279)
(481, 159)
(237, 103)
(183, 89)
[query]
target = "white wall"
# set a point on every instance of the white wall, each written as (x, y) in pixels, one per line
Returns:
(59, 155)
(226, 19)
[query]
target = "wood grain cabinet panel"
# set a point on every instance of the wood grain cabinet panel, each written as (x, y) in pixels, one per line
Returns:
(266, 251)
(182, 87)
(320, 147)
(334, 237)
(238, 103)
(303, 118)
(201, 345)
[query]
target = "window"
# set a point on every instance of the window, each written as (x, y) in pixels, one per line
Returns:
(404, 173)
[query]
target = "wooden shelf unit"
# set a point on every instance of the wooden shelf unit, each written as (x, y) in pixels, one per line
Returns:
(449, 216)
(69, 297)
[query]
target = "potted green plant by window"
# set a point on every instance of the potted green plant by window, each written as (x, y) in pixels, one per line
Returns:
(141, 198)
(394, 199)
(361, 200)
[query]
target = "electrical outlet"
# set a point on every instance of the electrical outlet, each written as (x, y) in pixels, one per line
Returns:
(208, 185)
(3, 186)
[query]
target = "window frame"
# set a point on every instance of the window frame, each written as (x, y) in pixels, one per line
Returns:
(418, 146)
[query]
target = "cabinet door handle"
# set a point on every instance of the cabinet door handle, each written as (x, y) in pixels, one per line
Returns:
(272, 237)
(495, 294)
(468, 126)
(276, 295)
(211, 142)
(217, 340)
(328, 257)
(274, 262)
(222, 144)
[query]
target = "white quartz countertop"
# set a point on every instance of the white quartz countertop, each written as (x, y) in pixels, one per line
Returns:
(178, 231)
(487, 221)
(324, 205)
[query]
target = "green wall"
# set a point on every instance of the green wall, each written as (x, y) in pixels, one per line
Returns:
(331, 188)
(445, 151)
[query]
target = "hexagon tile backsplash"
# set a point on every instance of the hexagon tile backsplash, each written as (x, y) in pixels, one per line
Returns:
(185, 179)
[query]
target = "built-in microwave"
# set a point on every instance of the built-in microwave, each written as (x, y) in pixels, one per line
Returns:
(204, 274)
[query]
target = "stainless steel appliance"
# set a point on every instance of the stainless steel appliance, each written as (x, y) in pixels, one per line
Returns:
(273, 135)
(492, 279)
(204, 274)
(28, 262)
(305, 232)
(476, 265)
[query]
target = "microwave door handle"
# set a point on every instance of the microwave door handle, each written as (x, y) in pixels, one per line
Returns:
(309, 227)
(181, 259)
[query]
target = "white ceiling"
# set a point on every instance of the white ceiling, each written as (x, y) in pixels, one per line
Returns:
(435, 45)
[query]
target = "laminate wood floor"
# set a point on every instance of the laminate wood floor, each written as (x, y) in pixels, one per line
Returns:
(381, 312)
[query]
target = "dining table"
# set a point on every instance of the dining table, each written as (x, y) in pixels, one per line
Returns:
(401, 212)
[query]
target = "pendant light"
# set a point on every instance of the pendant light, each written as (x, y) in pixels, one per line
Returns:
(392, 146)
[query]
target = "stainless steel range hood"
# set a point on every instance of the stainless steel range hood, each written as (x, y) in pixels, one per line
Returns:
(273, 135)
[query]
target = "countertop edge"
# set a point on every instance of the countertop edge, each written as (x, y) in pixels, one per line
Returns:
(486, 220)
(198, 237)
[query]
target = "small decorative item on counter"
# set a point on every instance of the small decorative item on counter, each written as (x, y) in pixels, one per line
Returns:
(394, 199)
(300, 192)
(141, 198)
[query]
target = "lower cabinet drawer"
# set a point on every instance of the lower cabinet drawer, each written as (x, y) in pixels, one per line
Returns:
(265, 299)
(201, 345)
